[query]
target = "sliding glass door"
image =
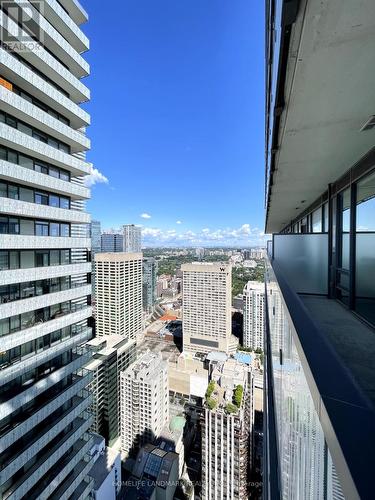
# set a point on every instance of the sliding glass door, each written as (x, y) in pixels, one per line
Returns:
(365, 248)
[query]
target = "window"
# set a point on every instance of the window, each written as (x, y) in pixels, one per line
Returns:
(64, 230)
(41, 228)
(3, 190)
(27, 259)
(41, 198)
(41, 258)
(13, 260)
(54, 172)
(3, 225)
(14, 226)
(54, 229)
(26, 194)
(41, 168)
(54, 200)
(64, 175)
(4, 260)
(54, 257)
(40, 137)
(65, 256)
(25, 161)
(64, 202)
(317, 221)
(365, 240)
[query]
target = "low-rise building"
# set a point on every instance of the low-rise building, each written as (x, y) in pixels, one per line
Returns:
(172, 439)
(154, 476)
(106, 471)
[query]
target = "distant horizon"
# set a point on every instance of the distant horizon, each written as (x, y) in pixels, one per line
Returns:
(215, 247)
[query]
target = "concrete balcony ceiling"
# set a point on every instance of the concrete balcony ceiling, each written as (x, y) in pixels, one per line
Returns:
(329, 96)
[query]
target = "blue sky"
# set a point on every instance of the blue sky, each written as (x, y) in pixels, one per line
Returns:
(178, 118)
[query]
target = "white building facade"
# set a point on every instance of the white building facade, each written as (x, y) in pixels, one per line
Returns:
(45, 290)
(111, 355)
(119, 294)
(227, 433)
(132, 238)
(207, 313)
(144, 402)
(253, 315)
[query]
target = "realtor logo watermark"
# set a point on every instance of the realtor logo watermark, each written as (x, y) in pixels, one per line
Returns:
(20, 25)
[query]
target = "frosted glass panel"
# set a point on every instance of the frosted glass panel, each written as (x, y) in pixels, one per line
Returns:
(345, 251)
(365, 272)
(304, 261)
(306, 467)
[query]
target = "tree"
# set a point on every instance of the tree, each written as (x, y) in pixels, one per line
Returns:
(231, 408)
(237, 397)
(211, 403)
(210, 389)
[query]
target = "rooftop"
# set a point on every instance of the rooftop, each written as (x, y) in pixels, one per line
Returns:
(209, 267)
(103, 466)
(147, 365)
(117, 256)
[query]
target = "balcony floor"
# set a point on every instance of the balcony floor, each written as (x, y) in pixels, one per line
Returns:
(352, 339)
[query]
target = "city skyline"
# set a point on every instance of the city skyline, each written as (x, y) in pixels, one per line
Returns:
(176, 119)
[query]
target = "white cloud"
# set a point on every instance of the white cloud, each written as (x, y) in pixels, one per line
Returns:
(178, 222)
(145, 215)
(95, 177)
(237, 237)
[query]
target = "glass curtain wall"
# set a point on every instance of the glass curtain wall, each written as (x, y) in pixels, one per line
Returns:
(365, 248)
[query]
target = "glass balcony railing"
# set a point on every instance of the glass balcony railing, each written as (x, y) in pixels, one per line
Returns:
(320, 419)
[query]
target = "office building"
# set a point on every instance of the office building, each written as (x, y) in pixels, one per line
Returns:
(150, 271)
(132, 238)
(257, 253)
(200, 252)
(96, 244)
(118, 294)
(253, 315)
(105, 473)
(112, 242)
(207, 307)
(45, 271)
(246, 254)
(320, 187)
(96, 236)
(111, 354)
(144, 402)
(226, 431)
